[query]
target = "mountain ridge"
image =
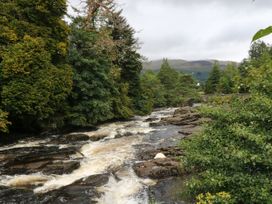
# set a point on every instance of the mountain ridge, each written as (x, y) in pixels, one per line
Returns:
(199, 69)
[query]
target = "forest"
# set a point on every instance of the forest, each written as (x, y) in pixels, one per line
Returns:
(59, 75)
(56, 75)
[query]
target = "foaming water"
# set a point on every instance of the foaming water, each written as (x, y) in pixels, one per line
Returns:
(125, 188)
(114, 153)
(100, 157)
(24, 180)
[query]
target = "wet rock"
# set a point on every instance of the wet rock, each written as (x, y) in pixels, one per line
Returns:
(126, 134)
(167, 191)
(151, 119)
(22, 196)
(36, 159)
(183, 116)
(98, 136)
(170, 152)
(60, 167)
(157, 169)
(82, 191)
(73, 138)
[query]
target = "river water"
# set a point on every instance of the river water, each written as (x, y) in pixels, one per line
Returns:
(115, 153)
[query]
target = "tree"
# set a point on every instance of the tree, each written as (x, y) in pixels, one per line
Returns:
(229, 80)
(153, 89)
(213, 80)
(128, 59)
(35, 79)
(90, 100)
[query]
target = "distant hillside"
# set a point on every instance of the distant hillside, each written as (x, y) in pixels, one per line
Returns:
(200, 69)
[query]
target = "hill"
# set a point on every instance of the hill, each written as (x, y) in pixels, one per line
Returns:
(200, 69)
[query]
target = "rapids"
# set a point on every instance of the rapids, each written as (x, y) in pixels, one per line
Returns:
(115, 155)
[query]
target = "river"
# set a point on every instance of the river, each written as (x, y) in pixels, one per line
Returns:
(114, 155)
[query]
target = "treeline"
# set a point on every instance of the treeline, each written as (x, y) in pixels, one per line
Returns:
(169, 88)
(234, 78)
(231, 159)
(54, 75)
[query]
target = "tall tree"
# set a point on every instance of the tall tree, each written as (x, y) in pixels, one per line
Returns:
(90, 100)
(213, 80)
(35, 78)
(128, 58)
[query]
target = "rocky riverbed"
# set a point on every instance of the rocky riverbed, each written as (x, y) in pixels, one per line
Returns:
(120, 163)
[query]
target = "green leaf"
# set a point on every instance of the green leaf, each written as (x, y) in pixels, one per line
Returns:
(262, 33)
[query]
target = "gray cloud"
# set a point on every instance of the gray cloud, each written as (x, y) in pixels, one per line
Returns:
(196, 29)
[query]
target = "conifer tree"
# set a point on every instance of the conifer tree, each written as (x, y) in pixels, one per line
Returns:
(213, 80)
(90, 100)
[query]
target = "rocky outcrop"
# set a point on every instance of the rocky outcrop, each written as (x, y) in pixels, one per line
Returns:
(67, 139)
(157, 168)
(183, 116)
(82, 191)
(28, 160)
(96, 136)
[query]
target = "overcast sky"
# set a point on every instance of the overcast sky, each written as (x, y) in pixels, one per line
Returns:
(196, 29)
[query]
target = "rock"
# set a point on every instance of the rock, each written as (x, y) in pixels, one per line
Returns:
(12, 195)
(61, 167)
(126, 134)
(82, 191)
(98, 136)
(167, 191)
(151, 119)
(160, 156)
(170, 152)
(157, 169)
(30, 160)
(74, 138)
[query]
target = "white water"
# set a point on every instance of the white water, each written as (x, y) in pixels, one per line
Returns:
(107, 155)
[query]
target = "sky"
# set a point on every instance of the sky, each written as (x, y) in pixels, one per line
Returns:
(196, 29)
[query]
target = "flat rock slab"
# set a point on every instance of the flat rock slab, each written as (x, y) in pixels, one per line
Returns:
(49, 160)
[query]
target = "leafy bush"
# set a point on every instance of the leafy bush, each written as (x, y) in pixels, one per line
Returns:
(218, 198)
(233, 154)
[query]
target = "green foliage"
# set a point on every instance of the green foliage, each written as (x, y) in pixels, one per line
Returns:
(262, 33)
(233, 154)
(128, 60)
(153, 89)
(35, 79)
(168, 87)
(4, 122)
(259, 53)
(218, 198)
(229, 80)
(213, 80)
(90, 100)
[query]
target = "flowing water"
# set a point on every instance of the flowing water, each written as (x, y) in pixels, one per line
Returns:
(115, 153)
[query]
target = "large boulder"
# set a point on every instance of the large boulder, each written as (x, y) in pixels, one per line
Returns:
(157, 169)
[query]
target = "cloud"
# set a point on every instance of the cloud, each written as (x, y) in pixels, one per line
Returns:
(196, 29)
